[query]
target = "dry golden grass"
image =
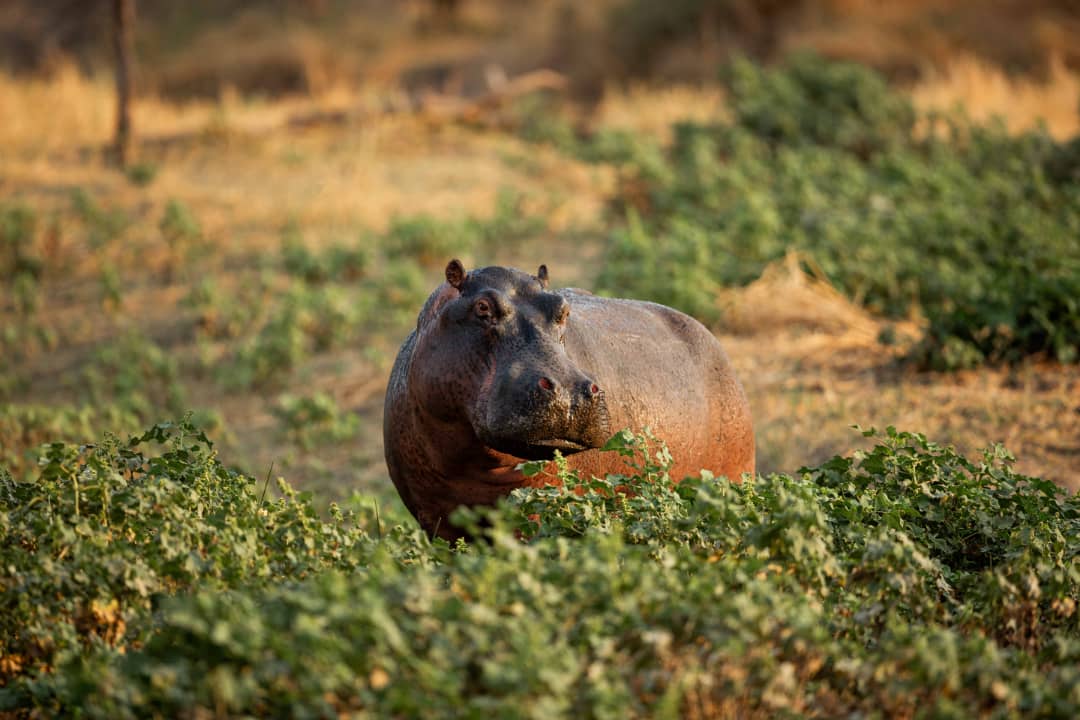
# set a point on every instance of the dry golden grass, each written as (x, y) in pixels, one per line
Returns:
(786, 297)
(44, 115)
(654, 110)
(72, 111)
(985, 91)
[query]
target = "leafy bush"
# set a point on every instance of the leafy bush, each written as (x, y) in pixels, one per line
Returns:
(219, 314)
(431, 241)
(975, 229)
(538, 119)
(141, 174)
(178, 224)
(426, 239)
(103, 225)
(903, 580)
(309, 419)
(807, 101)
(136, 375)
(511, 221)
(19, 263)
(181, 231)
(337, 263)
(18, 224)
(25, 427)
(309, 319)
(104, 532)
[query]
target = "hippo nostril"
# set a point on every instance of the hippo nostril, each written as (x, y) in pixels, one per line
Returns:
(546, 384)
(589, 390)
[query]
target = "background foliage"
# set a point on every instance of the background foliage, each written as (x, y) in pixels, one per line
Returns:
(972, 227)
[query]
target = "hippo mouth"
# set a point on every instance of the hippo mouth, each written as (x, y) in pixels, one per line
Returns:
(560, 444)
(540, 449)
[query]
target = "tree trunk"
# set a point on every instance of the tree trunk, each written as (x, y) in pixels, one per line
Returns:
(123, 42)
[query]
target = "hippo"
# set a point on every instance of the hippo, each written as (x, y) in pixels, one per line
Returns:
(500, 370)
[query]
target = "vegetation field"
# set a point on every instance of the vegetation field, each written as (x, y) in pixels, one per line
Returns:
(144, 578)
(195, 516)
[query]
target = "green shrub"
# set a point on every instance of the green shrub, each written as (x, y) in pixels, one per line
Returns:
(396, 293)
(93, 544)
(509, 223)
(430, 242)
(24, 428)
(337, 263)
(426, 239)
(541, 119)
(311, 419)
(974, 229)
(112, 287)
(275, 350)
(103, 225)
(181, 231)
(808, 101)
(902, 580)
(18, 225)
(303, 320)
(141, 174)
(1025, 308)
(134, 374)
(20, 265)
(178, 224)
(219, 314)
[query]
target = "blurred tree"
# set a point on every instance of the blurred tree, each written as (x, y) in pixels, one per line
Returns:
(445, 12)
(123, 41)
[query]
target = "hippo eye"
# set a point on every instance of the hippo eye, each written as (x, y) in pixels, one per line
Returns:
(482, 308)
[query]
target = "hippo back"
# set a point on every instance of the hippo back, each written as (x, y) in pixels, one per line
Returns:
(662, 370)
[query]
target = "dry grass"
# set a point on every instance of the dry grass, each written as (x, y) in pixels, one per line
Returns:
(655, 110)
(72, 111)
(984, 92)
(44, 115)
(786, 297)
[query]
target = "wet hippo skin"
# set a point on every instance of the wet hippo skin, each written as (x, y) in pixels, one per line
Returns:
(500, 369)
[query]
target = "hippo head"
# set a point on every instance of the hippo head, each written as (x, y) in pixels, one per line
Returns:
(489, 351)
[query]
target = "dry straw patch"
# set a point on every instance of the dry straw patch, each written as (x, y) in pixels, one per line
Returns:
(654, 110)
(984, 91)
(43, 114)
(786, 296)
(71, 111)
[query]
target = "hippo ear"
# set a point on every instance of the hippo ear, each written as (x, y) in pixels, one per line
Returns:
(455, 273)
(542, 276)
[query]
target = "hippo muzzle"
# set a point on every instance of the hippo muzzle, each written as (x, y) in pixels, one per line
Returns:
(532, 413)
